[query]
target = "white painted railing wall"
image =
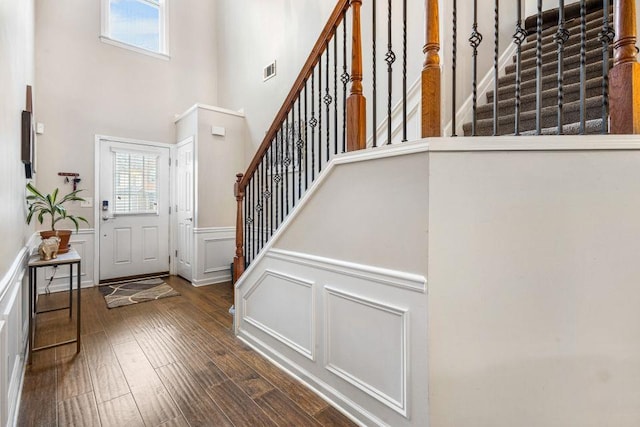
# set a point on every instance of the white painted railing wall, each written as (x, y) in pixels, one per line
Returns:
(530, 247)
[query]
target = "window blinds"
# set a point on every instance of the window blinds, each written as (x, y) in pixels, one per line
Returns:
(135, 183)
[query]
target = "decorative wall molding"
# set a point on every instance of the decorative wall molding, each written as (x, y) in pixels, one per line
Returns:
(365, 371)
(307, 351)
(213, 254)
(398, 403)
(412, 282)
(13, 337)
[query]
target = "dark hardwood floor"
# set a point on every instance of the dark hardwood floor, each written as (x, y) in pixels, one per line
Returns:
(171, 362)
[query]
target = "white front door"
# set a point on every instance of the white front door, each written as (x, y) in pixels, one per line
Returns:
(134, 203)
(184, 208)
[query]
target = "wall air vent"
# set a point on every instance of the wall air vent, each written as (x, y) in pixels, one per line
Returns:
(269, 71)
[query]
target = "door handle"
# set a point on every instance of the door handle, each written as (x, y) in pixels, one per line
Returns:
(190, 219)
(106, 217)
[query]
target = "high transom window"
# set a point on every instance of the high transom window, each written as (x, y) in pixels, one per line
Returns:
(137, 24)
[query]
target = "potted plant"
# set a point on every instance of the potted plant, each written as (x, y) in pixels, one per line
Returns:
(43, 205)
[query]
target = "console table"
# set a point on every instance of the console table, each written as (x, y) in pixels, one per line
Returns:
(70, 258)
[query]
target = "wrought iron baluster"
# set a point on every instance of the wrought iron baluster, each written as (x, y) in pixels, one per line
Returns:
(496, 52)
(539, 69)
(519, 37)
(583, 66)
(276, 180)
(293, 150)
(390, 58)
(606, 37)
(300, 146)
(404, 70)
(282, 173)
(335, 90)
(247, 250)
(344, 78)
(260, 208)
(271, 191)
(374, 105)
(327, 101)
(253, 217)
(286, 161)
(313, 123)
(474, 41)
(561, 37)
(306, 140)
(454, 62)
(320, 114)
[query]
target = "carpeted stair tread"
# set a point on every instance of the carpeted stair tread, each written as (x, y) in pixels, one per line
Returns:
(507, 83)
(571, 11)
(549, 116)
(569, 62)
(528, 49)
(552, 55)
(592, 127)
(594, 20)
(571, 83)
(506, 106)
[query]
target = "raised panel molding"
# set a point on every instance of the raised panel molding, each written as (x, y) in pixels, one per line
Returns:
(364, 358)
(287, 299)
(83, 243)
(214, 248)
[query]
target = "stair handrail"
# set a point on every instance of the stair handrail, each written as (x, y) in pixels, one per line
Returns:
(334, 20)
(242, 180)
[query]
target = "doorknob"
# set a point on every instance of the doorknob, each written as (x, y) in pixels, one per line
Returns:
(106, 217)
(190, 219)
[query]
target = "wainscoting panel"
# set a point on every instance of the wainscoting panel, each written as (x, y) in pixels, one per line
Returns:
(214, 251)
(348, 350)
(356, 334)
(13, 333)
(282, 306)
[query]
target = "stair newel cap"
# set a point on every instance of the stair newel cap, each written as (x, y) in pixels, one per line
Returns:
(238, 192)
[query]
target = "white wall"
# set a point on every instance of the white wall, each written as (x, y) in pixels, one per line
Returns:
(533, 274)
(87, 87)
(16, 72)
(251, 35)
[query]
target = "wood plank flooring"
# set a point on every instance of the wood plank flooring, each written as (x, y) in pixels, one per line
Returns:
(171, 362)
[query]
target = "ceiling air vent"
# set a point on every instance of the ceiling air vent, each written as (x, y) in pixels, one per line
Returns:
(269, 71)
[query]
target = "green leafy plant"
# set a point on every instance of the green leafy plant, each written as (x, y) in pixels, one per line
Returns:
(42, 205)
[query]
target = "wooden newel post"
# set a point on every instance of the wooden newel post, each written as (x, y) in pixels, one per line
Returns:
(238, 260)
(431, 73)
(356, 102)
(624, 78)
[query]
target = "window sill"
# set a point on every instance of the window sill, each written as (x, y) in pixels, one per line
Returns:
(117, 43)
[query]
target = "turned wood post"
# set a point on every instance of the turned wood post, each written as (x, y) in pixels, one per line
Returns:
(238, 260)
(431, 73)
(356, 103)
(624, 78)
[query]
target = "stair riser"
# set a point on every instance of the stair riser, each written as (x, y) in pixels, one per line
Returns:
(548, 100)
(528, 121)
(593, 20)
(552, 55)
(571, 75)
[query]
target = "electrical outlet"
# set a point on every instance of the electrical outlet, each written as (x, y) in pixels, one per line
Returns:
(88, 202)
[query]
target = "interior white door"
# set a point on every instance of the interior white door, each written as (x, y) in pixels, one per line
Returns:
(184, 208)
(134, 195)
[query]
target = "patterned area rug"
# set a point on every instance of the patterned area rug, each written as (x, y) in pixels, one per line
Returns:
(118, 295)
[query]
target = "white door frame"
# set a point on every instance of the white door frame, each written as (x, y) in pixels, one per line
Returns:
(97, 205)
